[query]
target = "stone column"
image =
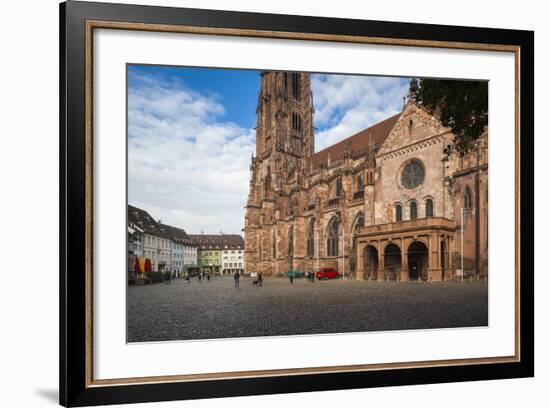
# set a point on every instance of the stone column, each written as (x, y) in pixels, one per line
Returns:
(380, 273)
(449, 256)
(434, 271)
(360, 261)
(404, 264)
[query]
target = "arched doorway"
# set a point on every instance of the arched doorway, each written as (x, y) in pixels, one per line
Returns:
(418, 260)
(370, 258)
(392, 261)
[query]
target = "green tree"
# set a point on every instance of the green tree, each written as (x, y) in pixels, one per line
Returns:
(460, 105)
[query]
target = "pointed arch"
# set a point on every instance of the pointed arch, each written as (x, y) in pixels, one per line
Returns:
(311, 238)
(291, 242)
(333, 236)
(273, 244)
(359, 183)
(359, 221)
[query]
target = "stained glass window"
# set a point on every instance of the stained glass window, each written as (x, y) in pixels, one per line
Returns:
(413, 174)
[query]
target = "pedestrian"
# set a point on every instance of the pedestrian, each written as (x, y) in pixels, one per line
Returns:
(260, 280)
(200, 276)
(208, 277)
(237, 276)
(291, 276)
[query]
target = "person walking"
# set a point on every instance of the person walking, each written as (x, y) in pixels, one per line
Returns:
(260, 280)
(237, 276)
(291, 276)
(200, 276)
(208, 277)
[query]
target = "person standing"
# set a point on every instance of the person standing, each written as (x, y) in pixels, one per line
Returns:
(291, 276)
(260, 280)
(237, 276)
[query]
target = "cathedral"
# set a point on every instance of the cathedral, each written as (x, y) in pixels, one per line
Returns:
(382, 204)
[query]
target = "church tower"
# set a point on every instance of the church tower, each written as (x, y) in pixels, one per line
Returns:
(284, 141)
(284, 131)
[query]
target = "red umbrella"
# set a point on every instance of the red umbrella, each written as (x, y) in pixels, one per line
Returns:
(148, 265)
(137, 269)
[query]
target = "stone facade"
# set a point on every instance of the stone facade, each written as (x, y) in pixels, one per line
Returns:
(381, 204)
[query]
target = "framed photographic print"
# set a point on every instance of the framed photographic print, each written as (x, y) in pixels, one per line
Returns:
(255, 204)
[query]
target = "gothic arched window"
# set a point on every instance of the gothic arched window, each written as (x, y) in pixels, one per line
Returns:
(296, 121)
(332, 238)
(398, 213)
(359, 221)
(467, 198)
(414, 211)
(339, 189)
(360, 183)
(310, 239)
(429, 208)
(291, 242)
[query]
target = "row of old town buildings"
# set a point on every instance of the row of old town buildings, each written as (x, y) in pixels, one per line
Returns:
(383, 204)
(154, 246)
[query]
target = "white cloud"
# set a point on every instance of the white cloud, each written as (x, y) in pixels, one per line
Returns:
(186, 166)
(189, 167)
(345, 105)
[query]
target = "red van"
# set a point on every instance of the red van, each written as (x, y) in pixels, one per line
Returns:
(327, 273)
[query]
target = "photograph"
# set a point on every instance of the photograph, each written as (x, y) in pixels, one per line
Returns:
(280, 203)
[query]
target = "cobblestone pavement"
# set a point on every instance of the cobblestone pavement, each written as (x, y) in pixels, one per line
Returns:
(201, 310)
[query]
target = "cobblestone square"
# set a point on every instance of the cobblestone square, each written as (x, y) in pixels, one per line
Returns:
(202, 310)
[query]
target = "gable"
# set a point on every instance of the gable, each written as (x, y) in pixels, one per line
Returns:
(414, 125)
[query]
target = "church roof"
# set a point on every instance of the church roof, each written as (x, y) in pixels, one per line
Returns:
(357, 144)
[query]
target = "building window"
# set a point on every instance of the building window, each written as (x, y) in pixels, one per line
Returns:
(339, 188)
(310, 239)
(413, 208)
(332, 239)
(429, 208)
(359, 222)
(398, 213)
(360, 183)
(296, 122)
(467, 198)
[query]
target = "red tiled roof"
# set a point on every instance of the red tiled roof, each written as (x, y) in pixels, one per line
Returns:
(218, 241)
(357, 143)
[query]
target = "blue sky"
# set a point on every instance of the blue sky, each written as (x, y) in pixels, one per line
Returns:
(190, 136)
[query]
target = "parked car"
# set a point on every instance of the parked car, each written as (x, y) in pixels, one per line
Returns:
(296, 273)
(327, 273)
